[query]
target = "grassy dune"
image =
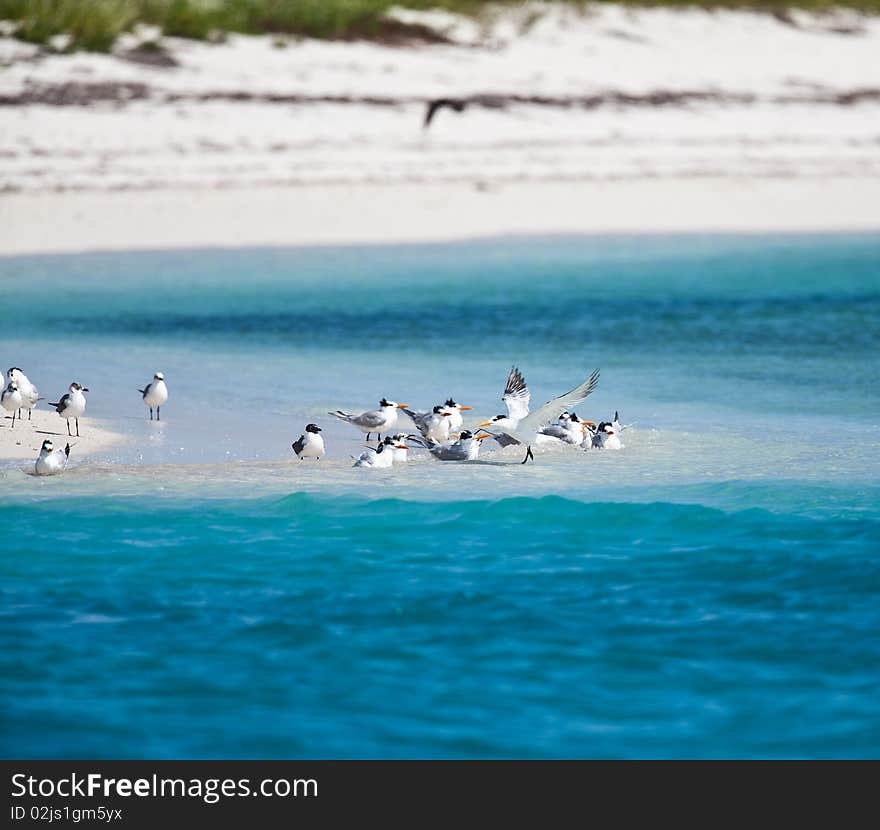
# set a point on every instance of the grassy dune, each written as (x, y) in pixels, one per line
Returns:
(94, 25)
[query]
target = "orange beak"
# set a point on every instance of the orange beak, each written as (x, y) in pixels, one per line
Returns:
(486, 424)
(481, 437)
(402, 405)
(465, 408)
(402, 447)
(589, 423)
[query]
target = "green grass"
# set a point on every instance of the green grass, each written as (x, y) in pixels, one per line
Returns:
(94, 25)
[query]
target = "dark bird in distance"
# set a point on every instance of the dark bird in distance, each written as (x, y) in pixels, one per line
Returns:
(437, 104)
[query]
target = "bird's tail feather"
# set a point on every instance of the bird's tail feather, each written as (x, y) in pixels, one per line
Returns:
(343, 416)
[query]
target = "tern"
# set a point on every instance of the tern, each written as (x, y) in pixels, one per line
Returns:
(50, 461)
(72, 405)
(29, 393)
(526, 428)
(435, 424)
(155, 394)
(373, 420)
(11, 400)
(455, 410)
(606, 437)
(568, 430)
(310, 444)
(399, 448)
(466, 448)
(382, 456)
(516, 398)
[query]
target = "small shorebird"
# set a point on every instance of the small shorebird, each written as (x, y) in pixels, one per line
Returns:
(50, 461)
(435, 424)
(72, 405)
(29, 393)
(382, 456)
(155, 393)
(465, 448)
(378, 420)
(11, 400)
(310, 444)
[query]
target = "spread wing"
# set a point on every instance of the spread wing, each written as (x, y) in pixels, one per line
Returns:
(516, 395)
(553, 409)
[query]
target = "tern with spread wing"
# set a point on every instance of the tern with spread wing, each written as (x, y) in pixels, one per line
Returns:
(526, 428)
(516, 398)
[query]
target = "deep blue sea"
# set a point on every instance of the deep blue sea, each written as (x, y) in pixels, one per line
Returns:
(711, 590)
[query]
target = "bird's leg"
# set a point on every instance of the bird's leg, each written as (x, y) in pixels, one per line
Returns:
(368, 437)
(77, 427)
(30, 414)
(68, 427)
(528, 454)
(151, 413)
(13, 419)
(158, 415)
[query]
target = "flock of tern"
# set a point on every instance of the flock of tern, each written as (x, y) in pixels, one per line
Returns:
(20, 394)
(441, 430)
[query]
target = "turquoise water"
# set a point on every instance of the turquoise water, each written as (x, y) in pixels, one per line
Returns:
(713, 590)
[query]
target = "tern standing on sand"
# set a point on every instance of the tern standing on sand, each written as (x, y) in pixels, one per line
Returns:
(155, 394)
(72, 405)
(310, 444)
(11, 399)
(50, 461)
(29, 393)
(380, 420)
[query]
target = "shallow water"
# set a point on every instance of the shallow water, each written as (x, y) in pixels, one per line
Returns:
(711, 590)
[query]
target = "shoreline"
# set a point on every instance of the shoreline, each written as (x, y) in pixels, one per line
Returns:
(23, 442)
(427, 212)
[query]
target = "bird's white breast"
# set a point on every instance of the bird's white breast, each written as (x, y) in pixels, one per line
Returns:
(157, 394)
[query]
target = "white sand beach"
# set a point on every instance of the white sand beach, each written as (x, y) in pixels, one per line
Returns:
(23, 441)
(609, 119)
